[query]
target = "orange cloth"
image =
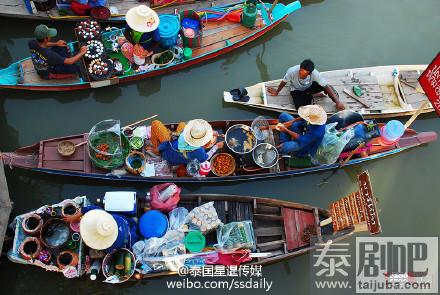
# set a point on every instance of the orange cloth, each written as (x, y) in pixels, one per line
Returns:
(160, 133)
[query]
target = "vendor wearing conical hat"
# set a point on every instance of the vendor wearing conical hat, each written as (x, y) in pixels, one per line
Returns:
(141, 28)
(303, 135)
(197, 136)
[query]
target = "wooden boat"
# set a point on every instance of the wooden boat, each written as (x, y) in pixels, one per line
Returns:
(281, 229)
(384, 95)
(218, 38)
(44, 157)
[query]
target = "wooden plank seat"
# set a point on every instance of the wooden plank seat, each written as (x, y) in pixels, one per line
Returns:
(30, 76)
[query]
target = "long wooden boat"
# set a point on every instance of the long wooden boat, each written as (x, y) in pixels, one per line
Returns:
(43, 157)
(218, 38)
(386, 95)
(281, 229)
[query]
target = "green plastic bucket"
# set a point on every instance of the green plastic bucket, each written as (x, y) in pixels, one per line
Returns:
(249, 15)
(195, 241)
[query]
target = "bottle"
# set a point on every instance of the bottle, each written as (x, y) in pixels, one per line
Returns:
(94, 269)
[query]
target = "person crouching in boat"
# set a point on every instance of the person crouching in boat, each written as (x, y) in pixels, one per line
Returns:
(141, 28)
(303, 135)
(52, 60)
(194, 138)
(306, 82)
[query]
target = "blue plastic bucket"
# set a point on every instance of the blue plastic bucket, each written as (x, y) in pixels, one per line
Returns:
(169, 27)
(153, 223)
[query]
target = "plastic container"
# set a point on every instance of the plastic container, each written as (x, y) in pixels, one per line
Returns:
(196, 41)
(153, 224)
(391, 132)
(168, 30)
(249, 15)
(120, 202)
(195, 241)
(187, 53)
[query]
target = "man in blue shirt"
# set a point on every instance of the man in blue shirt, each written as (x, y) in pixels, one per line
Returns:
(303, 135)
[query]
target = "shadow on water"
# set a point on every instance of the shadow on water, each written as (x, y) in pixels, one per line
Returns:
(9, 137)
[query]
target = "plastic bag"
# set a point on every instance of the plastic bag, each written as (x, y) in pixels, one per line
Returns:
(332, 144)
(148, 252)
(204, 218)
(157, 193)
(236, 235)
(177, 218)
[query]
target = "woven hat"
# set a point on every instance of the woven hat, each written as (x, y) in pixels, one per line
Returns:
(197, 132)
(314, 114)
(98, 229)
(142, 19)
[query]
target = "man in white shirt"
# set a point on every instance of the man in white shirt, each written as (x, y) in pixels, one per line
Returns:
(305, 82)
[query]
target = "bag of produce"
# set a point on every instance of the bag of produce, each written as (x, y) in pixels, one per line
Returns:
(204, 218)
(236, 235)
(332, 144)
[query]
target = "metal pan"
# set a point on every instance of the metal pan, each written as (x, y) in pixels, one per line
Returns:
(240, 139)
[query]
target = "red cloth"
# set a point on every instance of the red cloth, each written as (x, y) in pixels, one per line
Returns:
(234, 258)
(80, 9)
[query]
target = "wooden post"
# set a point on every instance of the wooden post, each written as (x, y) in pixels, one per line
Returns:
(416, 114)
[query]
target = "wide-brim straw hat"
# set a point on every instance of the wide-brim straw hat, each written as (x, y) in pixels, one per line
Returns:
(142, 19)
(197, 132)
(314, 114)
(98, 229)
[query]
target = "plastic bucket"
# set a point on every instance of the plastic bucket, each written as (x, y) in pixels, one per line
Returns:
(391, 132)
(168, 30)
(195, 241)
(153, 224)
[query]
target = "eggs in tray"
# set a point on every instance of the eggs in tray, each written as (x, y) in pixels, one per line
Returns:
(99, 67)
(95, 49)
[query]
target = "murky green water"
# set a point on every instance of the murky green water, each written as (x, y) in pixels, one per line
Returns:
(334, 33)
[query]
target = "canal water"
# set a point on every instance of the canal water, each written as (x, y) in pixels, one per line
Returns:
(335, 34)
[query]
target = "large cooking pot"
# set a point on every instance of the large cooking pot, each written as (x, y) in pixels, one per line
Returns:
(241, 139)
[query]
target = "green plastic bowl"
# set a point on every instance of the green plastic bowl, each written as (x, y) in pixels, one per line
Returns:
(195, 241)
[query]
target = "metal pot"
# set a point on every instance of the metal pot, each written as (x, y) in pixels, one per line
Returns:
(240, 139)
(265, 155)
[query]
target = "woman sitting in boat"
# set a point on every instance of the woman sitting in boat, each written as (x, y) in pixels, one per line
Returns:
(194, 138)
(303, 135)
(305, 83)
(52, 60)
(141, 28)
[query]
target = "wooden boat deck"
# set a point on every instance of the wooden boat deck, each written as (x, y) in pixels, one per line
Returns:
(28, 75)
(17, 9)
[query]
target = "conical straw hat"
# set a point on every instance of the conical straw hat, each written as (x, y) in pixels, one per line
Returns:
(142, 19)
(98, 229)
(314, 114)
